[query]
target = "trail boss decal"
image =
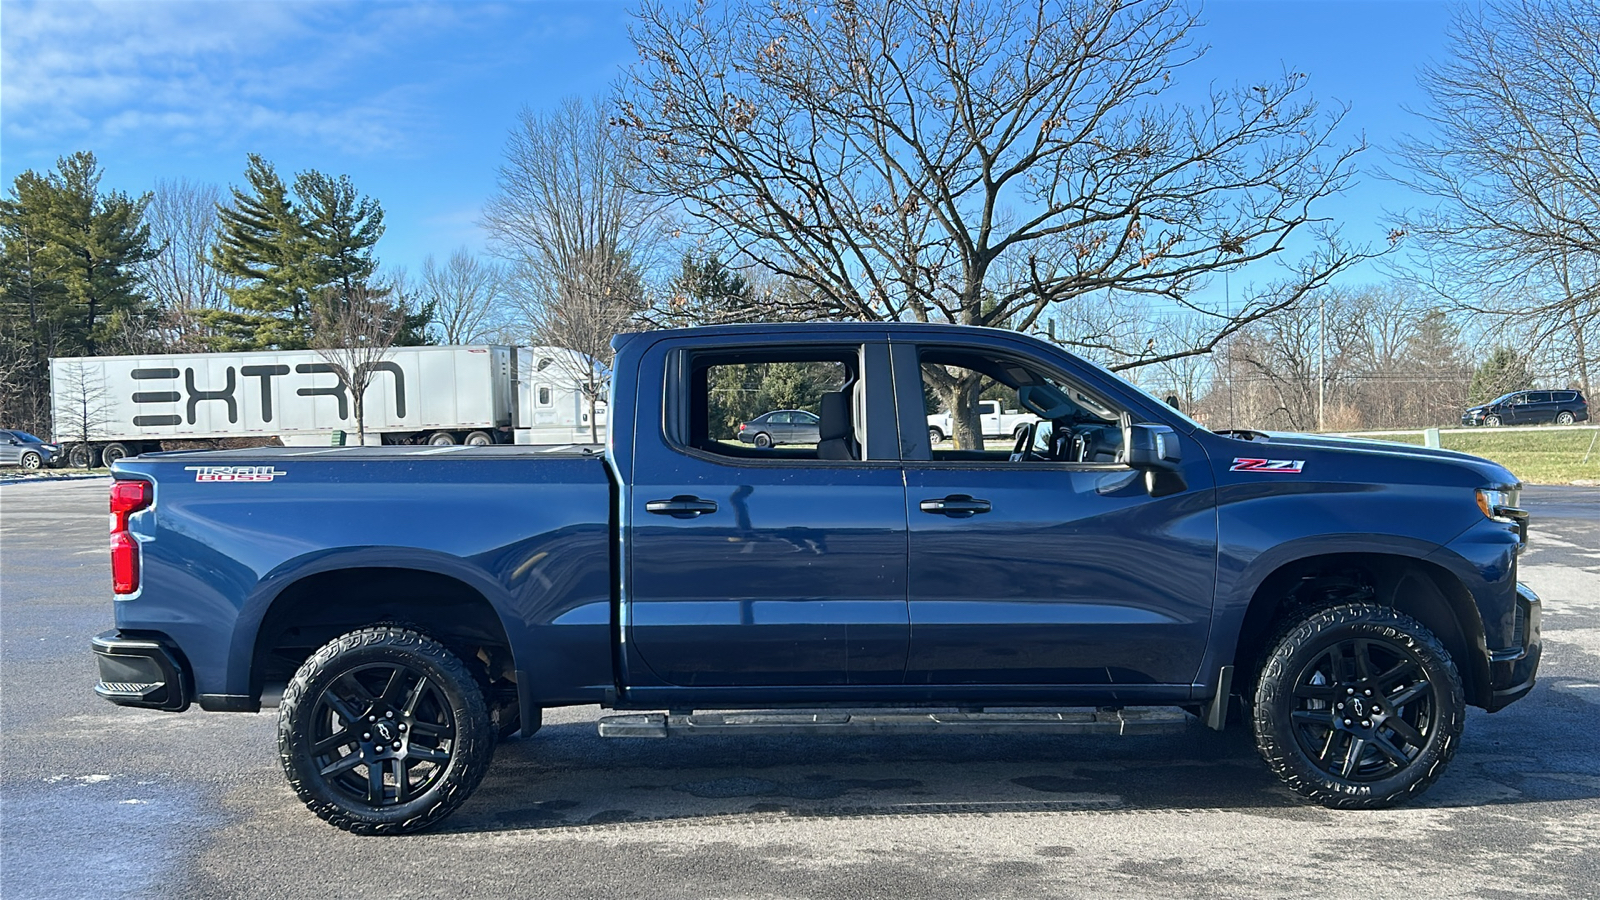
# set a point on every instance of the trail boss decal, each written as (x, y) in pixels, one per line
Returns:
(1292, 466)
(234, 473)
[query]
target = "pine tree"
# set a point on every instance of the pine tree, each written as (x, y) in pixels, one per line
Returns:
(341, 228)
(264, 244)
(708, 292)
(1504, 371)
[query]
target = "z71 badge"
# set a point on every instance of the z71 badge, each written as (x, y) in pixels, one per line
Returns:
(234, 473)
(1268, 465)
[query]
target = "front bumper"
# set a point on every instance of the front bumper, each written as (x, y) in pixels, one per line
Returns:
(141, 671)
(1512, 670)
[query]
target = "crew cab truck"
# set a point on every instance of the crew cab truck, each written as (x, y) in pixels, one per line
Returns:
(1120, 569)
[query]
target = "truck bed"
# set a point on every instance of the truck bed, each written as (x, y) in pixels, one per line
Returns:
(368, 454)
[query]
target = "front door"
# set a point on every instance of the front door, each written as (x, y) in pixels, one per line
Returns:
(1044, 572)
(773, 567)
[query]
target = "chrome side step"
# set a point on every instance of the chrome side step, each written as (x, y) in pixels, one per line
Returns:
(1103, 721)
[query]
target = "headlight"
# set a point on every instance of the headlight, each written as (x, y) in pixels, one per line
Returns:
(1489, 501)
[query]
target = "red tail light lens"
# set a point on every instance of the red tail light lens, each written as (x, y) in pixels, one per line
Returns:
(741, 426)
(127, 497)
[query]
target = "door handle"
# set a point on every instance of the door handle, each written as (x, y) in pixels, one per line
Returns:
(958, 506)
(683, 506)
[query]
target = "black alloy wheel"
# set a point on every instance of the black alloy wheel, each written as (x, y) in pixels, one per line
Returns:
(1359, 707)
(384, 731)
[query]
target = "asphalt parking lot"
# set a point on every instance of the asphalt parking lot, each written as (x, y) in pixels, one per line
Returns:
(98, 801)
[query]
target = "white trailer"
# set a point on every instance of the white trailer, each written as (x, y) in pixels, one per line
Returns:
(553, 399)
(115, 406)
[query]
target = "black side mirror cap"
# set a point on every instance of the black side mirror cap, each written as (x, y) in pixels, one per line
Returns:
(1155, 451)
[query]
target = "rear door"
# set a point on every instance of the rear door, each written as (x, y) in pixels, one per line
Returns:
(1047, 573)
(763, 568)
(10, 449)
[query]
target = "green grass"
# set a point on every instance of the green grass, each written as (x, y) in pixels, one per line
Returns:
(1537, 457)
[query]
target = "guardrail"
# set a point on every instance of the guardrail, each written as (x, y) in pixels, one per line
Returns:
(1481, 429)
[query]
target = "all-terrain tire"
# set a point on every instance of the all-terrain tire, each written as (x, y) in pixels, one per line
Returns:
(449, 701)
(1408, 725)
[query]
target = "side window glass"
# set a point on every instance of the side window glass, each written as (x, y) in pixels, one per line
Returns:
(544, 395)
(978, 408)
(727, 395)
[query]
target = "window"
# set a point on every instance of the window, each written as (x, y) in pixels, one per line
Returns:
(544, 395)
(776, 404)
(1009, 402)
(1539, 397)
(1565, 396)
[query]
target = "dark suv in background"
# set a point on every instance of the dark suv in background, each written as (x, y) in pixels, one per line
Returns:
(1530, 408)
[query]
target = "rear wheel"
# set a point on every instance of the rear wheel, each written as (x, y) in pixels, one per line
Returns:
(81, 456)
(478, 439)
(1565, 418)
(1358, 707)
(935, 435)
(441, 439)
(384, 731)
(763, 440)
(114, 452)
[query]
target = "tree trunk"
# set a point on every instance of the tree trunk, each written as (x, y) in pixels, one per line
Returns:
(1581, 345)
(593, 392)
(962, 401)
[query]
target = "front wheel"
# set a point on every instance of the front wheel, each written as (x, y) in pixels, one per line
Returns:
(1358, 707)
(935, 435)
(30, 460)
(384, 731)
(1492, 421)
(1565, 418)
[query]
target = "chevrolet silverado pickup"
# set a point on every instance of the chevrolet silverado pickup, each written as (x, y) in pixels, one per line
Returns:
(1120, 569)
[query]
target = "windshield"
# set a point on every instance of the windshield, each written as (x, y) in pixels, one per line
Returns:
(1144, 393)
(26, 437)
(1501, 399)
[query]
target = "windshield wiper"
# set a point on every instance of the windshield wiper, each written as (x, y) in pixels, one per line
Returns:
(1245, 434)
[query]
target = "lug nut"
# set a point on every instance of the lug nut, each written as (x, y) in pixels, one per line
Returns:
(1349, 690)
(372, 718)
(366, 735)
(1369, 692)
(397, 745)
(1347, 721)
(1365, 724)
(402, 726)
(390, 713)
(1338, 706)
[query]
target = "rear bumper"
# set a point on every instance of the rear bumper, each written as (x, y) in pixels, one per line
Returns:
(1512, 670)
(142, 671)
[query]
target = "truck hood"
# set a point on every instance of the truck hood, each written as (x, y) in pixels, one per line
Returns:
(1492, 473)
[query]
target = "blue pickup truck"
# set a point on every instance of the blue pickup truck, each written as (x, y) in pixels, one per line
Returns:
(1117, 569)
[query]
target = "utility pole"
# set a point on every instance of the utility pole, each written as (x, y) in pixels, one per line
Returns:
(1322, 353)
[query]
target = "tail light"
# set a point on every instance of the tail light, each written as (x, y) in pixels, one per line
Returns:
(741, 426)
(127, 497)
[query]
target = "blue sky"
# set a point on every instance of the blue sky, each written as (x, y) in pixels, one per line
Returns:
(414, 101)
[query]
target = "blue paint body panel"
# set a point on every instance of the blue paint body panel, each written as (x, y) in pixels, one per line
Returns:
(819, 581)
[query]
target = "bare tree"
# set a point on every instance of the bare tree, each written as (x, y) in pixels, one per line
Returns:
(470, 304)
(80, 408)
(977, 161)
(353, 333)
(1512, 162)
(573, 229)
(181, 279)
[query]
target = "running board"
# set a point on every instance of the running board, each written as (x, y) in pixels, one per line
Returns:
(1103, 721)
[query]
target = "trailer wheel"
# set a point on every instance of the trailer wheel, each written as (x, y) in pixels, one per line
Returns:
(479, 439)
(81, 456)
(441, 439)
(115, 451)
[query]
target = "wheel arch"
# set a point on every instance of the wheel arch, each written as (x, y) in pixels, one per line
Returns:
(1422, 590)
(291, 615)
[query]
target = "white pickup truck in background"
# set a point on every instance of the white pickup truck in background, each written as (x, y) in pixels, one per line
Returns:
(997, 422)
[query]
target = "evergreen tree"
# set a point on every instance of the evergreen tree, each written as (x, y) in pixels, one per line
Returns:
(264, 244)
(1504, 371)
(291, 251)
(707, 292)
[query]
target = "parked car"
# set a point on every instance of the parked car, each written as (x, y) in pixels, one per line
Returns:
(408, 606)
(1530, 408)
(781, 426)
(19, 448)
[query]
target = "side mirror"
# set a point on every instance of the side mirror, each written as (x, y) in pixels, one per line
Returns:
(1155, 451)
